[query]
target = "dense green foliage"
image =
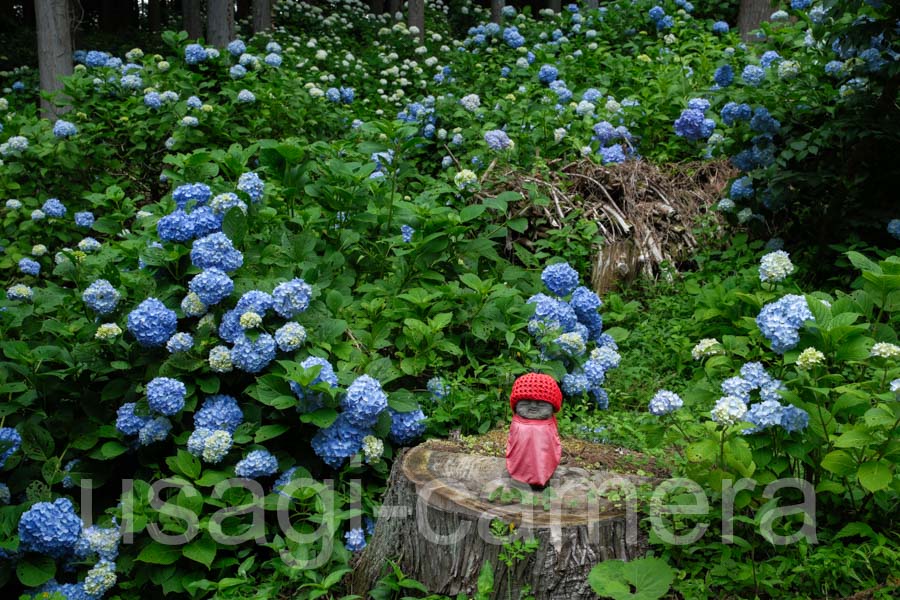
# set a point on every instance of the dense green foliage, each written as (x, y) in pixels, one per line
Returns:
(378, 187)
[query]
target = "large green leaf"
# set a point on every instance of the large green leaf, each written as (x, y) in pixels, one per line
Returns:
(839, 462)
(201, 550)
(36, 570)
(159, 554)
(875, 475)
(649, 577)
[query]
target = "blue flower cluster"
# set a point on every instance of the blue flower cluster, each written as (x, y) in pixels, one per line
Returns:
(101, 297)
(310, 399)
(211, 286)
(355, 540)
(406, 427)
(194, 54)
(364, 402)
(693, 124)
(291, 298)
(258, 463)
(724, 76)
(51, 528)
(660, 18)
(665, 402)
(166, 395)
(10, 441)
(497, 140)
(565, 329)
(64, 129)
(780, 321)
(215, 251)
(151, 323)
(548, 74)
(191, 195)
(251, 184)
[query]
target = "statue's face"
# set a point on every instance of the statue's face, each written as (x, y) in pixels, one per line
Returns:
(534, 409)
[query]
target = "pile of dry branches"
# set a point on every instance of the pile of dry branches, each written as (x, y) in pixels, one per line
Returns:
(646, 213)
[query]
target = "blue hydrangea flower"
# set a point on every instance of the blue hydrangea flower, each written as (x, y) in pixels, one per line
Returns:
(756, 375)
(794, 419)
(733, 112)
(219, 412)
(251, 184)
(127, 421)
(283, 480)
(406, 233)
(665, 402)
(781, 320)
(693, 125)
(63, 129)
(156, 430)
(191, 194)
(720, 27)
(312, 401)
(151, 323)
(724, 76)
(258, 463)
(246, 97)
(5, 498)
(194, 102)
(497, 140)
(612, 155)
(195, 54)
(601, 398)
(291, 298)
(54, 208)
(742, 188)
(800, 4)
(753, 75)
(29, 267)
(438, 388)
(102, 542)
(574, 384)
(50, 528)
(893, 228)
(177, 226)
(560, 278)
(763, 122)
(180, 342)
(355, 540)
(216, 251)
(211, 286)
(10, 441)
(550, 314)
(763, 415)
(364, 401)
(96, 58)
(236, 47)
(290, 336)
(253, 356)
(273, 60)
(192, 306)
(101, 297)
(338, 442)
(84, 219)
(548, 74)
(738, 387)
(406, 427)
(166, 395)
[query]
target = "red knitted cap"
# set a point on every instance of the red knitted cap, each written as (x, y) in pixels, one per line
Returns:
(535, 386)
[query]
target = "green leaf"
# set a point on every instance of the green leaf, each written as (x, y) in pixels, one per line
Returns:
(703, 451)
(402, 401)
(234, 225)
(267, 432)
(839, 462)
(188, 464)
(855, 528)
(201, 550)
(35, 570)
(470, 212)
(322, 417)
(875, 475)
(486, 580)
(159, 554)
(519, 225)
(650, 578)
(855, 438)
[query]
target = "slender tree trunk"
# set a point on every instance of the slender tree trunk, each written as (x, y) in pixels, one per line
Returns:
(750, 15)
(54, 49)
(154, 16)
(417, 17)
(497, 10)
(220, 22)
(394, 7)
(190, 9)
(262, 15)
(556, 5)
(377, 6)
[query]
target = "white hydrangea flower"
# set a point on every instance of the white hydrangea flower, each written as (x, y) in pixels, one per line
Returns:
(809, 359)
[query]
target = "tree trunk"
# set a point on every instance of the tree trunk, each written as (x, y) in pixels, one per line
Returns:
(750, 15)
(377, 6)
(190, 9)
(154, 15)
(555, 5)
(220, 22)
(417, 17)
(262, 15)
(436, 523)
(497, 10)
(394, 7)
(54, 49)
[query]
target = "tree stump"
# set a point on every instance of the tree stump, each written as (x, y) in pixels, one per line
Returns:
(435, 523)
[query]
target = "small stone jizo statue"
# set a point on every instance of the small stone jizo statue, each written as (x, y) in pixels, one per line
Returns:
(533, 449)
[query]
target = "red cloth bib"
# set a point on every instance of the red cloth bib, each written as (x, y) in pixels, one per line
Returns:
(533, 450)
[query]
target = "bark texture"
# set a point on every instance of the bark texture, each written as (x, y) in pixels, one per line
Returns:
(219, 22)
(417, 17)
(750, 14)
(497, 10)
(262, 15)
(377, 6)
(54, 49)
(394, 7)
(436, 516)
(556, 5)
(190, 11)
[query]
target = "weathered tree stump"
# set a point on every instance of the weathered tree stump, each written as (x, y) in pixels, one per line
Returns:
(436, 524)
